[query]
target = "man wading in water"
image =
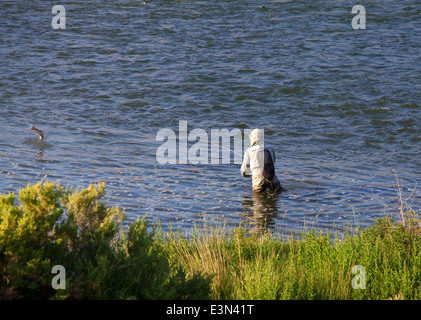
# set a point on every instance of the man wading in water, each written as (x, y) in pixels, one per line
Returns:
(259, 162)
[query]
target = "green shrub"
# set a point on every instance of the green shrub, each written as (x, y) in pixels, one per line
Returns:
(29, 244)
(52, 226)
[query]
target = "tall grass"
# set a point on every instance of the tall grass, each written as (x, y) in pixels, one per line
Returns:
(251, 266)
(313, 267)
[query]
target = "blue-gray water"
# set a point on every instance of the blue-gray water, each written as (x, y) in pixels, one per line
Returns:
(340, 106)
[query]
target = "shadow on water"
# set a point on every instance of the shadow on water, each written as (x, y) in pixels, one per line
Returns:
(261, 210)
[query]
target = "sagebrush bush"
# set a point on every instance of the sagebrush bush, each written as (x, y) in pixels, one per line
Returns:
(29, 245)
(49, 225)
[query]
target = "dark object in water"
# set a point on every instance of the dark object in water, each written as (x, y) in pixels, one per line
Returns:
(40, 133)
(268, 166)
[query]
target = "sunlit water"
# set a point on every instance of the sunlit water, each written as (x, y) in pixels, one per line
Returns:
(340, 106)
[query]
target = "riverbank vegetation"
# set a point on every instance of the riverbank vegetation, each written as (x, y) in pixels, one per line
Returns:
(104, 257)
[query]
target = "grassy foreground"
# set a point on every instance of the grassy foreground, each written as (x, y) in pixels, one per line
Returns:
(47, 225)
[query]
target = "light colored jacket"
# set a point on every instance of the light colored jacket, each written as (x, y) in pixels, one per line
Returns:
(253, 160)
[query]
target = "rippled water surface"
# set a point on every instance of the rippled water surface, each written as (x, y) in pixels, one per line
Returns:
(340, 106)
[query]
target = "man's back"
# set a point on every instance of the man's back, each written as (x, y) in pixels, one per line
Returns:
(254, 163)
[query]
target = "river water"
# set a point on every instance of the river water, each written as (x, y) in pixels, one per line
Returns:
(340, 106)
